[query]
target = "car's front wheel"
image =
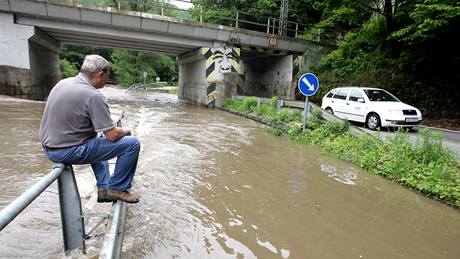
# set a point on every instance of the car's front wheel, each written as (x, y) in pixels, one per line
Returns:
(373, 121)
(329, 110)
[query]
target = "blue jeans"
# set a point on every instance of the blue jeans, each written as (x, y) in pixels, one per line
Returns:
(97, 152)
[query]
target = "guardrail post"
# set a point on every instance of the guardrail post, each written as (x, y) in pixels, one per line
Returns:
(201, 13)
(73, 227)
(279, 104)
(268, 25)
(236, 19)
(296, 29)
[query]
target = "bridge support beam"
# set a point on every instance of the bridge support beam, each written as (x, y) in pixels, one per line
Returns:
(207, 75)
(29, 60)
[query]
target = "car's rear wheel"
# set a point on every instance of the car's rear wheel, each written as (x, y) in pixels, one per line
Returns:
(329, 110)
(373, 121)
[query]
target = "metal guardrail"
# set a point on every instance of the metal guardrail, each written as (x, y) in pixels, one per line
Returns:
(73, 228)
(72, 218)
(113, 239)
(300, 105)
(133, 87)
(136, 86)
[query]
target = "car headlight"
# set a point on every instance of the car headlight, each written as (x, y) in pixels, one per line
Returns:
(394, 112)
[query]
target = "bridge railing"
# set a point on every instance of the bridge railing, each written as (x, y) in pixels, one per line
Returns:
(198, 13)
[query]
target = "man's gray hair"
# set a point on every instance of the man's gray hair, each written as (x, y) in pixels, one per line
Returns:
(94, 64)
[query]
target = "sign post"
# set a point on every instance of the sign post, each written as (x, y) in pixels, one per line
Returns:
(308, 85)
(145, 76)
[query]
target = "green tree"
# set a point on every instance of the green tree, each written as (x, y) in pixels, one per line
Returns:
(418, 61)
(129, 66)
(75, 54)
(67, 69)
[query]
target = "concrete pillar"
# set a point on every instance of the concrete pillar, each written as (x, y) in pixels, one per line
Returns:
(270, 76)
(192, 77)
(29, 60)
(207, 75)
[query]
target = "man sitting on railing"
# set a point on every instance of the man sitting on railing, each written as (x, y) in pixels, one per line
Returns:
(74, 113)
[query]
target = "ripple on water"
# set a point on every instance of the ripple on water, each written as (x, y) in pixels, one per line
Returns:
(345, 175)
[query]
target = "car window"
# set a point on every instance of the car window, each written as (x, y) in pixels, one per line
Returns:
(376, 95)
(331, 93)
(341, 94)
(355, 95)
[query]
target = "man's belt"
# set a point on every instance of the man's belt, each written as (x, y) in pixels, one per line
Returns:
(53, 148)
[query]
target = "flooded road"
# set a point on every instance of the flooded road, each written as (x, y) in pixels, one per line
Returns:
(215, 185)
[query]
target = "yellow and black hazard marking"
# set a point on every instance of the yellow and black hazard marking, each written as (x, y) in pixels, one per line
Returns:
(211, 95)
(219, 60)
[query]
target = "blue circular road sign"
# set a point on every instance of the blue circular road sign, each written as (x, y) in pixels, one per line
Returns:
(308, 84)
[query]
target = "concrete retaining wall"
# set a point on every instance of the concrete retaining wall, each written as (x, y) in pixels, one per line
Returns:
(29, 60)
(192, 77)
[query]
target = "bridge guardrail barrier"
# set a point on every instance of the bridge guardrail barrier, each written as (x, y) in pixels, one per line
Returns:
(73, 228)
(237, 19)
(72, 217)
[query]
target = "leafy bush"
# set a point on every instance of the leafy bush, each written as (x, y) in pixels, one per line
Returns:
(232, 104)
(286, 115)
(250, 104)
(67, 69)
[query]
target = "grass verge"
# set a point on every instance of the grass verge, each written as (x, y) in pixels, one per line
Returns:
(428, 167)
(174, 90)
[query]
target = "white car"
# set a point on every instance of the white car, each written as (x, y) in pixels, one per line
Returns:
(373, 106)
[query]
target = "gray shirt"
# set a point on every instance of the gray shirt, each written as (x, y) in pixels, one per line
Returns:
(74, 113)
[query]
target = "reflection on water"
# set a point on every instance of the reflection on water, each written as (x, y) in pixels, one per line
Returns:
(215, 185)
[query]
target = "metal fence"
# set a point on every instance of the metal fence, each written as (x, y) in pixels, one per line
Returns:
(73, 228)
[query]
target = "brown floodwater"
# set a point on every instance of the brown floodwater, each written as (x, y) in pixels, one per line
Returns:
(215, 185)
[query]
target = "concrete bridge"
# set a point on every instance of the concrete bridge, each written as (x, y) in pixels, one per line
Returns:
(215, 61)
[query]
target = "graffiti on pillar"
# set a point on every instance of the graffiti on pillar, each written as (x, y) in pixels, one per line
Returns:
(219, 60)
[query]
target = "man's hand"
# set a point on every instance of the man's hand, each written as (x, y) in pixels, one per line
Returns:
(117, 133)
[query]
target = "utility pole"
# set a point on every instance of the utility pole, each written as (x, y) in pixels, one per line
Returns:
(282, 30)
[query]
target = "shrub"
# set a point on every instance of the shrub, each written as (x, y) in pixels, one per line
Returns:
(286, 115)
(67, 69)
(250, 104)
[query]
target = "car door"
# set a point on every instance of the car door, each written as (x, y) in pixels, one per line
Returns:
(338, 103)
(355, 106)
